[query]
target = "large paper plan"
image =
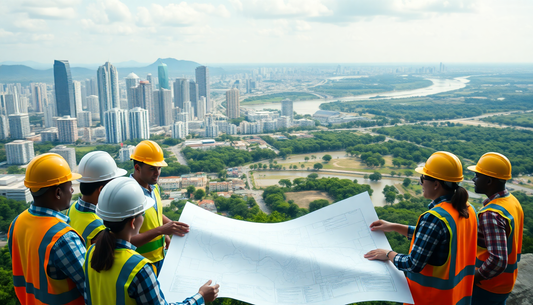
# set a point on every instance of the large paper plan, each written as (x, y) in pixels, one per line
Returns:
(314, 259)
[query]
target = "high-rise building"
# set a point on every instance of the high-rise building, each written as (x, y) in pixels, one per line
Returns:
(87, 135)
(231, 129)
(84, 119)
(180, 130)
(163, 107)
(77, 96)
(200, 112)
(211, 131)
(187, 107)
(19, 126)
(202, 79)
(116, 125)
(64, 89)
(11, 103)
(193, 96)
(67, 129)
(150, 79)
(232, 104)
(92, 107)
(124, 153)
(108, 90)
(23, 104)
(49, 114)
(162, 73)
(181, 92)
(49, 135)
(4, 127)
(38, 96)
(139, 123)
(143, 97)
(68, 153)
(19, 152)
(287, 109)
(183, 117)
(132, 81)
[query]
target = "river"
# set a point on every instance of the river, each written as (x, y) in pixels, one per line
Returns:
(311, 106)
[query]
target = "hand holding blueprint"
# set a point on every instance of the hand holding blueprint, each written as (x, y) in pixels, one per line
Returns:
(314, 259)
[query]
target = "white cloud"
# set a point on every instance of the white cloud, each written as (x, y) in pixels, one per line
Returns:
(108, 11)
(284, 8)
(50, 12)
(30, 25)
(173, 14)
(115, 29)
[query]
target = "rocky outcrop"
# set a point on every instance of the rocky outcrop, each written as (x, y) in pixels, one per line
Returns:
(523, 290)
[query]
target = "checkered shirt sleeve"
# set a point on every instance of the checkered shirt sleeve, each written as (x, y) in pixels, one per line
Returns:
(67, 258)
(492, 234)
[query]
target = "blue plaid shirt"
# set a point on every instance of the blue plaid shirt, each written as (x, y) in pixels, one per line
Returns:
(144, 287)
(149, 192)
(84, 206)
(68, 253)
(431, 243)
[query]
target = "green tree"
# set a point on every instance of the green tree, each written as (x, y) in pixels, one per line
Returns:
(408, 173)
(285, 182)
(406, 182)
(318, 166)
(13, 169)
(318, 204)
(306, 159)
(326, 158)
(199, 194)
(393, 173)
(312, 176)
(376, 176)
(190, 190)
(390, 197)
(302, 166)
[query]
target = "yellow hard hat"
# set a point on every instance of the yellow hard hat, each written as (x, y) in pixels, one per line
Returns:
(47, 170)
(493, 165)
(444, 166)
(149, 152)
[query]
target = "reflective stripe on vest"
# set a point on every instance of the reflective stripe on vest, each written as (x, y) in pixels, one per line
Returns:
(452, 282)
(510, 209)
(31, 239)
(88, 224)
(154, 249)
(111, 286)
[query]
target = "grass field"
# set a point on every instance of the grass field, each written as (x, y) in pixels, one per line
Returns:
(304, 198)
(278, 97)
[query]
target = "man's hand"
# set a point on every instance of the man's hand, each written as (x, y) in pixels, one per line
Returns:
(210, 293)
(378, 254)
(382, 225)
(175, 228)
(477, 277)
(167, 242)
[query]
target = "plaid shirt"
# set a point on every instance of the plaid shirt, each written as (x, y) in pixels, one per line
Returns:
(492, 234)
(144, 287)
(68, 253)
(84, 206)
(431, 243)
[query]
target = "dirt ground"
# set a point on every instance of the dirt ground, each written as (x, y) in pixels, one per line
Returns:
(303, 199)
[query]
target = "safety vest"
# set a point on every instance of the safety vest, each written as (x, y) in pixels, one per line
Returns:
(88, 224)
(154, 249)
(111, 286)
(31, 239)
(510, 209)
(452, 282)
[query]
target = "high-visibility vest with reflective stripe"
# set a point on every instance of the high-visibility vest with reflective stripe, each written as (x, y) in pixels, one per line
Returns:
(154, 249)
(88, 224)
(451, 283)
(111, 286)
(510, 209)
(31, 239)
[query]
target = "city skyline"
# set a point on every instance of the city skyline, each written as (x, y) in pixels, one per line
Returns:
(318, 31)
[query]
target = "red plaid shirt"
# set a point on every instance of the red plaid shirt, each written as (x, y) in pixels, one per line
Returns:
(492, 234)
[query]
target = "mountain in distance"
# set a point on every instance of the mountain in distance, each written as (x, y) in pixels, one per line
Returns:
(176, 68)
(28, 63)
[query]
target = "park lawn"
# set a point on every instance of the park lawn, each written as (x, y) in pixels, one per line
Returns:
(84, 149)
(304, 198)
(278, 97)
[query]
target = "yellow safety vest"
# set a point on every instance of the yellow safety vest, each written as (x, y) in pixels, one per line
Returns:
(111, 286)
(87, 224)
(154, 250)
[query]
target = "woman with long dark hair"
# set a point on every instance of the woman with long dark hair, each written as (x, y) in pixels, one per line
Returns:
(440, 265)
(114, 272)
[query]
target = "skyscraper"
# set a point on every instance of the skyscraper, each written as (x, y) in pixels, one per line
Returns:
(67, 129)
(162, 73)
(200, 112)
(19, 152)
(286, 108)
(180, 130)
(49, 114)
(202, 78)
(38, 96)
(11, 104)
(4, 127)
(77, 96)
(108, 93)
(139, 123)
(64, 89)
(232, 103)
(92, 106)
(193, 96)
(143, 96)
(68, 153)
(187, 107)
(116, 125)
(150, 79)
(19, 125)
(132, 80)
(181, 92)
(84, 119)
(163, 109)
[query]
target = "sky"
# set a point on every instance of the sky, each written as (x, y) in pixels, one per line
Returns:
(268, 31)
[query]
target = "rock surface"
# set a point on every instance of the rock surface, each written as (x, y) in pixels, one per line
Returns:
(523, 290)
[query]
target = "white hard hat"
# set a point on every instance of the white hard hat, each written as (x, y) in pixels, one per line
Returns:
(98, 166)
(122, 198)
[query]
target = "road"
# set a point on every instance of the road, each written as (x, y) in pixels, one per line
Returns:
(176, 150)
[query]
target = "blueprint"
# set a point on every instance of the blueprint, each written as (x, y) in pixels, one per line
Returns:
(314, 259)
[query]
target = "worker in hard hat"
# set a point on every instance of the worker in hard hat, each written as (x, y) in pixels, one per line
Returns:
(154, 234)
(47, 254)
(501, 225)
(115, 272)
(97, 169)
(441, 261)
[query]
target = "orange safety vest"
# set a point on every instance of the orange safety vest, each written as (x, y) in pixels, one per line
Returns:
(452, 282)
(31, 239)
(510, 209)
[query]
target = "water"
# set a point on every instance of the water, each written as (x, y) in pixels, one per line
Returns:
(311, 106)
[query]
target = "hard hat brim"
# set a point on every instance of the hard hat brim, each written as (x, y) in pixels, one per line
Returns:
(423, 171)
(156, 163)
(34, 188)
(118, 173)
(488, 174)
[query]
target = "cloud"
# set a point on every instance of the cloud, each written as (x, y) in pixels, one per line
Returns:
(108, 11)
(115, 29)
(283, 8)
(178, 14)
(48, 9)
(210, 9)
(30, 25)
